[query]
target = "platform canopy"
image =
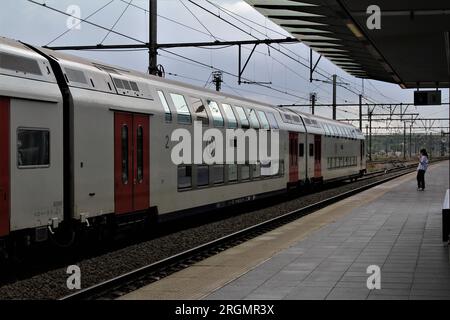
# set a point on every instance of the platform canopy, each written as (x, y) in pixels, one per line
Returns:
(411, 48)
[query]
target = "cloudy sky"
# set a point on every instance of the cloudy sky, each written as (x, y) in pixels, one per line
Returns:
(181, 21)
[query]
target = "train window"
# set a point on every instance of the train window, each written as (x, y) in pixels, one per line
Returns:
(325, 128)
(118, 83)
(311, 150)
(18, 63)
(168, 113)
(202, 175)
(242, 117)
(296, 119)
(217, 174)
(125, 160)
(140, 154)
(126, 84)
(33, 148)
(76, 76)
(199, 110)
(256, 169)
(330, 130)
(184, 177)
(232, 122)
(301, 148)
(272, 120)
(245, 172)
(337, 133)
(232, 172)
(216, 114)
(253, 118)
(307, 121)
(263, 119)
(184, 115)
(134, 86)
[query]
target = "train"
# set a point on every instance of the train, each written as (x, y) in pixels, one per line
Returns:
(86, 145)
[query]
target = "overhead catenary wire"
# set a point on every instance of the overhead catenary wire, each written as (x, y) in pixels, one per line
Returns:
(79, 21)
(198, 20)
(271, 46)
(232, 74)
(231, 13)
(86, 21)
(117, 21)
(257, 51)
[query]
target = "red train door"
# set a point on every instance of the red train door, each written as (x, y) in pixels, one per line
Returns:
(141, 181)
(317, 156)
(293, 156)
(4, 167)
(131, 162)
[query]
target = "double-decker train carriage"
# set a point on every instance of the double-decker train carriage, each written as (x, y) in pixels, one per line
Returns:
(84, 144)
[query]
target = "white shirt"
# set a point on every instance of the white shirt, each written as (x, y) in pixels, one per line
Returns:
(423, 163)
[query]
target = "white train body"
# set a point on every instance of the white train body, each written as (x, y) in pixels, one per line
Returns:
(83, 142)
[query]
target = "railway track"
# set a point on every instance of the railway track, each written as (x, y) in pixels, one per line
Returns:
(120, 285)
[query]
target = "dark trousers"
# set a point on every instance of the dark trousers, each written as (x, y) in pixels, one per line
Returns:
(421, 179)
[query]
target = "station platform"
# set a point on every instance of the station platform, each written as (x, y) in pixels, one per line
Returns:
(325, 255)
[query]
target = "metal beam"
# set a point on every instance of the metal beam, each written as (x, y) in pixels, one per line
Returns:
(174, 45)
(311, 67)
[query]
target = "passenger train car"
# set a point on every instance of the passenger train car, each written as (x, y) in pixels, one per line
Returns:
(85, 144)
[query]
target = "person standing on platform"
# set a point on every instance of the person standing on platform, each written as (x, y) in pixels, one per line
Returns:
(421, 169)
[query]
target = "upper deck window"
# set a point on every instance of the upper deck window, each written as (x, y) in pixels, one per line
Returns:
(216, 114)
(168, 113)
(183, 113)
(242, 117)
(263, 119)
(253, 118)
(272, 120)
(232, 122)
(200, 110)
